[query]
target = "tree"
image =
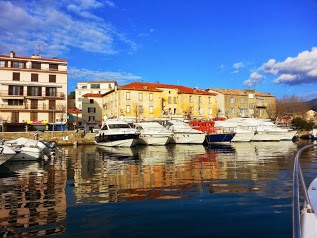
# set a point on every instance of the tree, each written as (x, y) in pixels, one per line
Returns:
(291, 106)
(71, 95)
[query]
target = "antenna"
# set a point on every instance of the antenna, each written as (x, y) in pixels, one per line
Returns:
(38, 48)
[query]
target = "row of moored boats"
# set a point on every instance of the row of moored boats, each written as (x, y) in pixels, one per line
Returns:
(115, 132)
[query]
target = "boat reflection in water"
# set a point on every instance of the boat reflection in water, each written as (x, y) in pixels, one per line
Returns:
(33, 199)
(158, 183)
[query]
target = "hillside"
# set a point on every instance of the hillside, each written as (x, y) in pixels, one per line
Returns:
(312, 104)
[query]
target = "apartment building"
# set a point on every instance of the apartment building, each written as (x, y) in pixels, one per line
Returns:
(91, 111)
(94, 87)
(140, 100)
(244, 103)
(33, 92)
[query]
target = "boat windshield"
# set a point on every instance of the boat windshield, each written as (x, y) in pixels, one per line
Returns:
(118, 126)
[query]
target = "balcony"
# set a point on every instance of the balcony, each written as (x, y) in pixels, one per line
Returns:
(261, 104)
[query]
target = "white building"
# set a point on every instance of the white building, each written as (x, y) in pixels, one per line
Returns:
(93, 87)
(33, 91)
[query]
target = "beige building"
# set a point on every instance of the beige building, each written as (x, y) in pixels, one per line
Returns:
(33, 92)
(91, 111)
(244, 103)
(141, 101)
(94, 87)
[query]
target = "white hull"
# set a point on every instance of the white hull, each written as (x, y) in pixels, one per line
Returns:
(122, 143)
(267, 136)
(153, 140)
(289, 135)
(309, 220)
(6, 153)
(28, 154)
(187, 138)
(243, 136)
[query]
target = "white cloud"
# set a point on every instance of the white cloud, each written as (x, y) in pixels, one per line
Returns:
(254, 78)
(294, 70)
(90, 75)
(238, 65)
(60, 26)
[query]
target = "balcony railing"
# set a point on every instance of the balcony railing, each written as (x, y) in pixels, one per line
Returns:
(261, 104)
(5, 94)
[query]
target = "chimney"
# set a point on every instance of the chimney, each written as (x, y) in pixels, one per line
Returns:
(12, 54)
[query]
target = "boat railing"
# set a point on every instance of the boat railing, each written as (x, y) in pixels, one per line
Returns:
(299, 178)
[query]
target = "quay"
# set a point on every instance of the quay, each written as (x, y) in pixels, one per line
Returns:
(61, 137)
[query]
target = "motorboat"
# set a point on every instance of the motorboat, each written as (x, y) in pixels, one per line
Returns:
(215, 131)
(262, 130)
(115, 132)
(153, 133)
(183, 133)
(6, 153)
(28, 149)
(305, 215)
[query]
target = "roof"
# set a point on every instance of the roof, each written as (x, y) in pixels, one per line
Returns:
(99, 81)
(158, 88)
(239, 92)
(35, 58)
(93, 95)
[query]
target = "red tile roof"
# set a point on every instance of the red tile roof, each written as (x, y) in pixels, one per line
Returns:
(93, 95)
(158, 87)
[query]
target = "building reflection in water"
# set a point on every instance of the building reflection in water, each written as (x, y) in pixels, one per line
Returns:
(33, 199)
(174, 171)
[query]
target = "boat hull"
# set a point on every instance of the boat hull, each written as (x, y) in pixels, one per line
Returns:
(124, 140)
(187, 138)
(214, 138)
(153, 140)
(6, 153)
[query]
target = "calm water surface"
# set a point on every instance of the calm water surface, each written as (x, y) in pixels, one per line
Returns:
(233, 190)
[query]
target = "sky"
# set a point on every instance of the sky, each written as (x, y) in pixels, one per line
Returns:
(266, 45)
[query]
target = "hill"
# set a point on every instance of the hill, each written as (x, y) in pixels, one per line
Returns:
(312, 104)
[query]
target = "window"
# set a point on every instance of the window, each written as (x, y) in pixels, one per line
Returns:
(15, 117)
(83, 87)
(151, 96)
(34, 104)
(91, 110)
(18, 65)
(15, 102)
(169, 99)
(209, 99)
(231, 110)
(251, 106)
(2, 63)
(34, 77)
(36, 65)
(91, 118)
(79, 99)
(91, 100)
(251, 95)
(51, 92)
(209, 111)
(200, 111)
(52, 78)
(261, 112)
(16, 76)
(127, 95)
(128, 109)
(151, 109)
(199, 98)
(190, 98)
(175, 100)
(140, 96)
(109, 86)
(232, 100)
(33, 116)
(53, 66)
(34, 91)
(95, 86)
(242, 100)
(15, 90)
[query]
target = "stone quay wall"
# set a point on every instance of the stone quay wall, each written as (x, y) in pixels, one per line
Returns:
(62, 137)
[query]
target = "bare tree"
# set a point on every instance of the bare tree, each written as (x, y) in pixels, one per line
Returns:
(291, 106)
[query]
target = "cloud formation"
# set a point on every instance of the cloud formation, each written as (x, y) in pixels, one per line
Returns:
(58, 26)
(301, 69)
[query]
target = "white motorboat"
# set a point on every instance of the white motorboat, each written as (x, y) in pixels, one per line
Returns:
(153, 133)
(28, 149)
(116, 133)
(305, 216)
(6, 153)
(183, 133)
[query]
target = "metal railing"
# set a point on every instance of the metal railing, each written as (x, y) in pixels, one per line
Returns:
(298, 177)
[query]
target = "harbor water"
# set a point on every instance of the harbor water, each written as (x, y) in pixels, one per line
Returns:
(223, 190)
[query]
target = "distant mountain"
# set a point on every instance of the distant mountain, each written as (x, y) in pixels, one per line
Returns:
(312, 104)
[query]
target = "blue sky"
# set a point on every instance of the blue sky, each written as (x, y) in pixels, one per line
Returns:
(267, 45)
